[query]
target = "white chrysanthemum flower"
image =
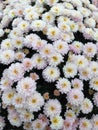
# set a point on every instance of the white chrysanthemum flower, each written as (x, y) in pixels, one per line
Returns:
(81, 61)
(68, 5)
(84, 11)
(38, 61)
(52, 107)
(5, 84)
(63, 85)
(24, 26)
(16, 71)
(70, 70)
(51, 74)
(18, 42)
(32, 15)
(85, 74)
(95, 122)
(77, 3)
(15, 32)
(38, 25)
(46, 50)
(75, 97)
(7, 56)
(57, 9)
(6, 44)
(95, 99)
(77, 83)
(56, 122)
(51, 2)
(63, 19)
(26, 116)
(1, 32)
(19, 56)
(7, 96)
(90, 22)
(86, 106)
(66, 37)
(16, 21)
(92, 7)
(94, 83)
(2, 123)
(70, 114)
(53, 33)
(85, 124)
(38, 125)
(94, 68)
(73, 26)
(64, 27)
(48, 17)
(61, 47)
(29, 39)
(55, 59)
(90, 49)
(18, 100)
(12, 13)
(35, 102)
(26, 86)
(14, 119)
(28, 64)
(27, 125)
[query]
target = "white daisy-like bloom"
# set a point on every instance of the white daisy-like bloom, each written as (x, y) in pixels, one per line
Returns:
(38, 44)
(16, 21)
(24, 25)
(5, 84)
(85, 124)
(28, 64)
(89, 49)
(1, 32)
(63, 85)
(64, 27)
(68, 5)
(19, 56)
(55, 59)
(32, 15)
(70, 114)
(47, 50)
(38, 125)
(52, 108)
(14, 119)
(29, 39)
(88, 33)
(51, 2)
(77, 3)
(92, 7)
(35, 102)
(73, 26)
(95, 35)
(94, 68)
(56, 122)
(61, 47)
(90, 22)
(38, 61)
(94, 83)
(26, 86)
(27, 125)
(95, 99)
(12, 13)
(18, 100)
(26, 116)
(70, 70)
(2, 123)
(81, 61)
(76, 47)
(38, 25)
(15, 71)
(84, 11)
(66, 37)
(18, 42)
(7, 56)
(63, 19)
(86, 106)
(76, 16)
(15, 32)
(53, 33)
(75, 97)
(48, 17)
(85, 73)
(95, 122)
(7, 96)
(57, 9)
(77, 83)
(51, 74)
(6, 44)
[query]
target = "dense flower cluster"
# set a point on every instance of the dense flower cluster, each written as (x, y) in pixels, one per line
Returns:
(49, 78)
